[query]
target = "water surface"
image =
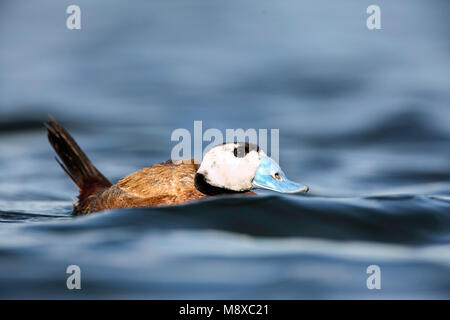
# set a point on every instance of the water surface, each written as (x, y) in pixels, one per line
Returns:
(363, 118)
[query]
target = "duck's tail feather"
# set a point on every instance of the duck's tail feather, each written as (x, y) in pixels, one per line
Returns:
(74, 161)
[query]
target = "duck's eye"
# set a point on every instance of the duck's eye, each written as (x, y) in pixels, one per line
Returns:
(242, 149)
(277, 176)
(239, 152)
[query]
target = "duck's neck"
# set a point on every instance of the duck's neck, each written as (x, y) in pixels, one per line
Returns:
(204, 187)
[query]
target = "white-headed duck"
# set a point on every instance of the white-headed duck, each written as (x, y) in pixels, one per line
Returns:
(227, 168)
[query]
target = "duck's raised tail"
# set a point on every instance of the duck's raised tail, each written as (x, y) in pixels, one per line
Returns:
(75, 162)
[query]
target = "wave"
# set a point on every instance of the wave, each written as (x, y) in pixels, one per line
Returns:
(403, 219)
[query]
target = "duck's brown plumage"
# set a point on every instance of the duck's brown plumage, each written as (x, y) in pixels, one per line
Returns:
(164, 183)
(160, 184)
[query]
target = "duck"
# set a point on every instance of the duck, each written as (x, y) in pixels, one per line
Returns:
(229, 168)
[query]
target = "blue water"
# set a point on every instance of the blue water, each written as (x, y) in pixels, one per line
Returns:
(363, 117)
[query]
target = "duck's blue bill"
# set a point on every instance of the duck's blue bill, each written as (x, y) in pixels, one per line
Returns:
(270, 176)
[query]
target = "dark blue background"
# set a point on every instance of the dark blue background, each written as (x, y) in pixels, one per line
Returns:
(363, 118)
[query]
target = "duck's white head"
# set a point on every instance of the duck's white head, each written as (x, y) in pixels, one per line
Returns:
(237, 167)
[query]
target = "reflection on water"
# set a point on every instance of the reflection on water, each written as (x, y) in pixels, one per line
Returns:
(363, 118)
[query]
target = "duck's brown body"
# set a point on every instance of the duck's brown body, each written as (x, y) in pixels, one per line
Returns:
(160, 184)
